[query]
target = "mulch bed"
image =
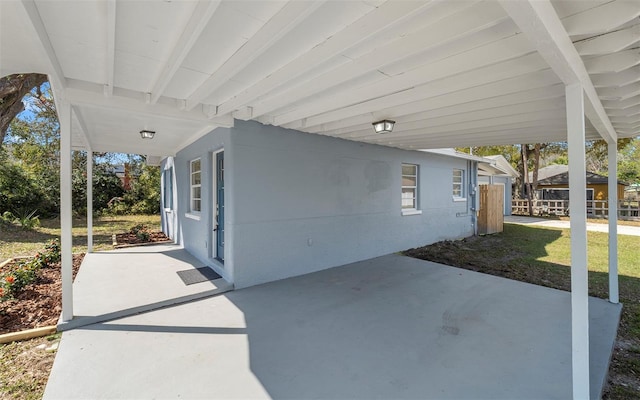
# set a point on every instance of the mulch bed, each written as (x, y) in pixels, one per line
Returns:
(130, 238)
(38, 304)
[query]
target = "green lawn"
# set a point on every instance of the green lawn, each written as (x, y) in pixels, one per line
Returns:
(15, 241)
(543, 256)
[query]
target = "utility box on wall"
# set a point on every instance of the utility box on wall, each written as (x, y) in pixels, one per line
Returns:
(490, 215)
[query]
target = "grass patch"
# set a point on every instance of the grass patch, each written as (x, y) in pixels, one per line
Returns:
(19, 379)
(542, 256)
(15, 241)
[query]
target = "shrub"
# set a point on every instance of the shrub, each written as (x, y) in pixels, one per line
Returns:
(26, 271)
(141, 231)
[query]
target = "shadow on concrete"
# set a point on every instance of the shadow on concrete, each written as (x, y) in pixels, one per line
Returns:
(390, 327)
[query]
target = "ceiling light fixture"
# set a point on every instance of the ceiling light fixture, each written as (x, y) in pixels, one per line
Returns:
(145, 134)
(384, 126)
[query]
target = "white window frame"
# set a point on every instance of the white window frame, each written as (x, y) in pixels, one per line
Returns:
(416, 188)
(458, 192)
(192, 199)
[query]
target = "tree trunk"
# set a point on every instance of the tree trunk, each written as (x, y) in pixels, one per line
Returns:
(12, 89)
(524, 152)
(536, 167)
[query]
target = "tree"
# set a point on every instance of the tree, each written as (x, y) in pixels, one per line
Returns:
(597, 154)
(13, 88)
(34, 144)
(144, 195)
(629, 162)
(106, 185)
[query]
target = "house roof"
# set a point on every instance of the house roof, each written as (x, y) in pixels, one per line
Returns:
(451, 152)
(503, 165)
(557, 174)
(450, 73)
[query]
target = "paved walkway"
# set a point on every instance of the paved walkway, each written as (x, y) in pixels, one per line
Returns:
(553, 223)
(390, 327)
(118, 283)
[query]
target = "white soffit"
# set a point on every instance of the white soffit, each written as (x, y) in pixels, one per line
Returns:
(451, 73)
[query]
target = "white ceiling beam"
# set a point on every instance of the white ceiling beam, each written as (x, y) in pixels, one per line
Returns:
(500, 137)
(202, 13)
(621, 104)
(628, 112)
(425, 128)
(379, 19)
(471, 62)
(615, 62)
(538, 20)
(602, 19)
(429, 118)
(83, 127)
(619, 93)
(291, 15)
(610, 42)
(145, 147)
(520, 130)
(514, 77)
(625, 120)
(56, 76)
(463, 24)
(512, 91)
(622, 78)
(111, 47)
(133, 105)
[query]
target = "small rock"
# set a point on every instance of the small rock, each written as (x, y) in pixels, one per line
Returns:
(53, 347)
(42, 346)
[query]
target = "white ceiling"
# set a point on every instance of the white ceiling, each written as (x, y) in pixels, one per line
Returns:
(451, 73)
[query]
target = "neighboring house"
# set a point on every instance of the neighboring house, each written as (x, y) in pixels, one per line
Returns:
(261, 203)
(499, 172)
(553, 184)
(122, 172)
(632, 192)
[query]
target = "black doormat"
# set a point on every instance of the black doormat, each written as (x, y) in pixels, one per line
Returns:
(191, 276)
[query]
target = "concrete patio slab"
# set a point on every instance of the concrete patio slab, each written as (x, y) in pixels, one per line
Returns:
(390, 327)
(118, 283)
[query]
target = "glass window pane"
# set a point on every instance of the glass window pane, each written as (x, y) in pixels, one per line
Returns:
(196, 205)
(409, 181)
(196, 192)
(409, 169)
(195, 165)
(195, 178)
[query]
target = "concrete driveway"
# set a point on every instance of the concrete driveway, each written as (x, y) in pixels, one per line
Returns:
(390, 327)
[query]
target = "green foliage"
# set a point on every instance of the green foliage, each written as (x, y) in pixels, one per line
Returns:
(143, 198)
(106, 185)
(27, 220)
(18, 189)
(141, 231)
(629, 162)
(26, 271)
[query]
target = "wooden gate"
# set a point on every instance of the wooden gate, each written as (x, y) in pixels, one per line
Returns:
(491, 213)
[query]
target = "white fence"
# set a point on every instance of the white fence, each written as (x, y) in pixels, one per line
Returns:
(628, 210)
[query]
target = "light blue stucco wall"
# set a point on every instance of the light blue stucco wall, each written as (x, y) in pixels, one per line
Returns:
(508, 189)
(297, 203)
(195, 230)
